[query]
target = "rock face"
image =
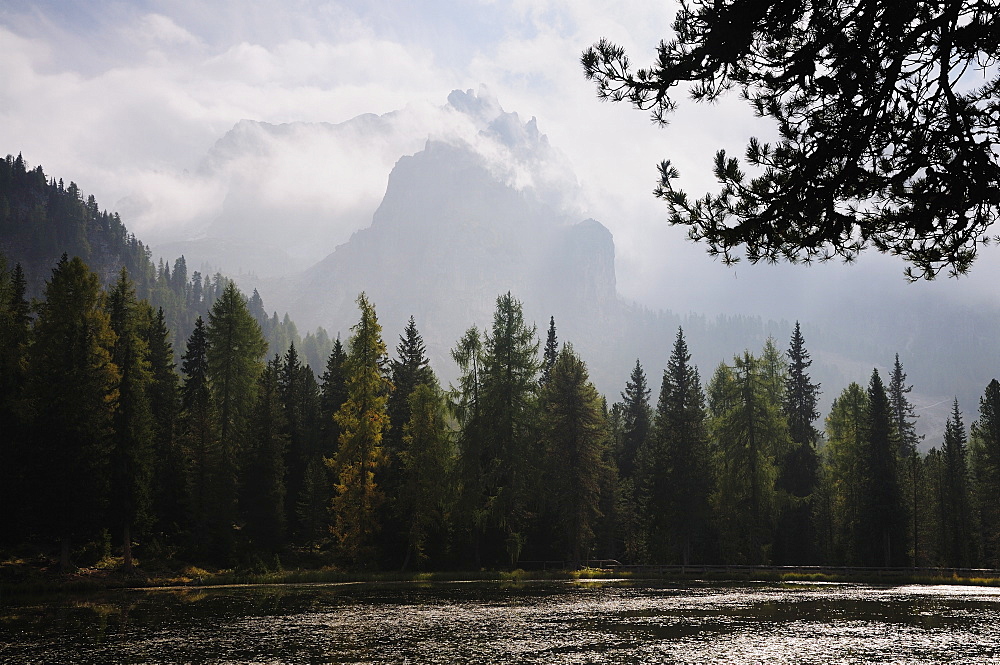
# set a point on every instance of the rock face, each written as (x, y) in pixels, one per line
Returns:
(448, 238)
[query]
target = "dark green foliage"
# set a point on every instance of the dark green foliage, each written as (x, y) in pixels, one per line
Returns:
(986, 471)
(677, 480)
(575, 433)
(15, 333)
(165, 404)
(840, 509)
(551, 350)
(200, 443)
(798, 468)
(748, 431)
(73, 385)
(235, 350)
(636, 422)
(884, 519)
(333, 393)
(131, 458)
(425, 492)
(958, 532)
(467, 405)
(508, 393)
(882, 141)
(904, 421)
(313, 508)
(263, 495)
(299, 401)
(409, 369)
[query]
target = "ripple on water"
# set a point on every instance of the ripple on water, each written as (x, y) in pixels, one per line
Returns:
(533, 623)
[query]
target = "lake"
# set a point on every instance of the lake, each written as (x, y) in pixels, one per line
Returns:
(530, 622)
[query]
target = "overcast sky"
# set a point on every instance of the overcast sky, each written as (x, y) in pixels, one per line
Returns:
(126, 98)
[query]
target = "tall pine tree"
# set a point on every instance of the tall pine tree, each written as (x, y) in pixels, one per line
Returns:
(73, 383)
(679, 482)
(363, 420)
(132, 451)
(986, 471)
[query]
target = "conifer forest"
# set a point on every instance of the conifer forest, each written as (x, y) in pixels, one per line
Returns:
(151, 414)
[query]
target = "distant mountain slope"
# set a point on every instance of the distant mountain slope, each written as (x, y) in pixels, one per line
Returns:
(453, 232)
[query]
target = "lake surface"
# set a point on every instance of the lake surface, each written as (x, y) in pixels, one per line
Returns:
(533, 622)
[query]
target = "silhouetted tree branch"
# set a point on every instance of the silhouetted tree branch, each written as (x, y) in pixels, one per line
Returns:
(887, 114)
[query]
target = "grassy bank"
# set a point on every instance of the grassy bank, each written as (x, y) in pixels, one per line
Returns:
(27, 578)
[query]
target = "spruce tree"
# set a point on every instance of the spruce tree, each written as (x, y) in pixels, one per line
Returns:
(509, 392)
(168, 499)
(426, 460)
(73, 384)
(15, 332)
(200, 440)
(301, 421)
(679, 483)
(235, 351)
(986, 472)
(958, 532)
(798, 469)
(264, 498)
(363, 420)
(467, 405)
(132, 448)
(550, 352)
(333, 393)
(637, 419)
(410, 369)
(884, 517)
(904, 422)
(575, 433)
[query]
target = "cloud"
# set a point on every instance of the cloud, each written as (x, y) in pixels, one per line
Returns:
(128, 99)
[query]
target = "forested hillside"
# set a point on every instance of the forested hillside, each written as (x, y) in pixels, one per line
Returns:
(41, 219)
(129, 435)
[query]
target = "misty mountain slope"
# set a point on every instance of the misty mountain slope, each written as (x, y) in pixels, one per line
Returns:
(476, 202)
(449, 237)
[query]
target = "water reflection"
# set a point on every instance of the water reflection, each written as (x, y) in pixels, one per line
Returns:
(547, 622)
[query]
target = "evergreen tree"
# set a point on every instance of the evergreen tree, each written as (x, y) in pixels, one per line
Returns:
(299, 398)
(426, 460)
(550, 352)
(168, 498)
(15, 334)
(575, 433)
(986, 472)
(264, 498)
(200, 443)
(132, 440)
(73, 384)
(410, 369)
(467, 405)
(747, 434)
(313, 509)
(509, 390)
(840, 534)
(235, 350)
(333, 393)
(958, 532)
(363, 420)
(679, 482)
(798, 469)
(904, 422)
(637, 419)
(884, 519)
